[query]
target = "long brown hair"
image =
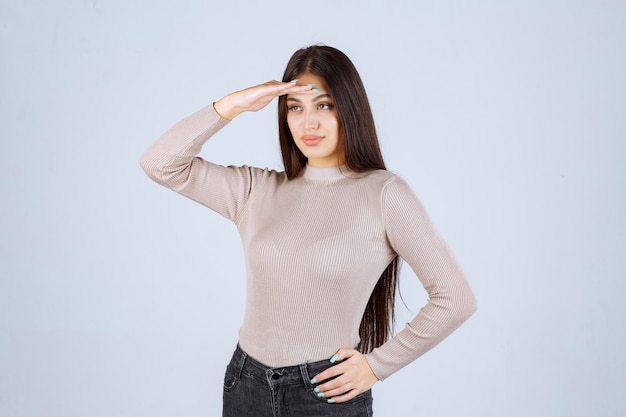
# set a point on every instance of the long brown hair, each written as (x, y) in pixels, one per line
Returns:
(362, 154)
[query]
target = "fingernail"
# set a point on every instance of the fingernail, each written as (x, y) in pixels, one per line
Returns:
(311, 85)
(314, 381)
(317, 90)
(320, 394)
(330, 401)
(316, 390)
(334, 358)
(294, 81)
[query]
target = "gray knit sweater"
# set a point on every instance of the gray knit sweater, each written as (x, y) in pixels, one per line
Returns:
(315, 247)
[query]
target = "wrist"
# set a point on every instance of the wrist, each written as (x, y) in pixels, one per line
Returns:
(225, 109)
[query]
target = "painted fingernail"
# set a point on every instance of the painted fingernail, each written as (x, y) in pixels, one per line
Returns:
(330, 401)
(334, 358)
(320, 394)
(316, 390)
(317, 90)
(294, 81)
(314, 381)
(311, 85)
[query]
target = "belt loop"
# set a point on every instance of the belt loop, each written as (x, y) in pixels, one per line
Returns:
(242, 360)
(305, 377)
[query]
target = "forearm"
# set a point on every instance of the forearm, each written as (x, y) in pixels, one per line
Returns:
(169, 160)
(437, 320)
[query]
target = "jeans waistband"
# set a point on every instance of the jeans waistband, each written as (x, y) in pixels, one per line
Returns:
(296, 374)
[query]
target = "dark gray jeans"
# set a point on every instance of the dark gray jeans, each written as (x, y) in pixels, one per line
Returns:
(252, 389)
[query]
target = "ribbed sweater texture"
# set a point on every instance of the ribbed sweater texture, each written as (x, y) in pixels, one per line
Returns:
(315, 247)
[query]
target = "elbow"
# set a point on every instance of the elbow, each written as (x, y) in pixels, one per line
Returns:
(461, 305)
(159, 169)
(472, 306)
(148, 165)
(467, 306)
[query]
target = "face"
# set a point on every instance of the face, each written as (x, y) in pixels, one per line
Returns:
(314, 124)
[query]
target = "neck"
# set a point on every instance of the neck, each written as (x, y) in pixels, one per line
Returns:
(326, 173)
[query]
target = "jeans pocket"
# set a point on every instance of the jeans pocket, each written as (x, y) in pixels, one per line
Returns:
(310, 388)
(230, 379)
(232, 375)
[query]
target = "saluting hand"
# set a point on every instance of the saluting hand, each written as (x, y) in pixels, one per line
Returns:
(353, 377)
(255, 98)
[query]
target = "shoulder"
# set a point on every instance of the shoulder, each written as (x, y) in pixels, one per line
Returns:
(264, 175)
(381, 179)
(392, 192)
(381, 186)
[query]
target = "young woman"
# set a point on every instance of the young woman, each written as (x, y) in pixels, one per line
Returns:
(322, 240)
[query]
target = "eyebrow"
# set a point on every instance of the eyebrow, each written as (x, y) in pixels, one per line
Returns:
(321, 96)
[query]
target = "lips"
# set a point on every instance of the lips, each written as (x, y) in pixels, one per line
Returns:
(312, 140)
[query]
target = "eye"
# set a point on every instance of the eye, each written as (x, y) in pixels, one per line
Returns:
(325, 106)
(295, 107)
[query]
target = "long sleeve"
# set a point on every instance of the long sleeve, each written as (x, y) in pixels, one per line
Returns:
(172, 161)
(451, 300)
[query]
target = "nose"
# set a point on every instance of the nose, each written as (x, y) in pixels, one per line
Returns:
(310, 120)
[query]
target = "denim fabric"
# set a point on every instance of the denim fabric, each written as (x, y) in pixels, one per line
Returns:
(252, 389)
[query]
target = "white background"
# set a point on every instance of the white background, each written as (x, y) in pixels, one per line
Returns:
(120, 298)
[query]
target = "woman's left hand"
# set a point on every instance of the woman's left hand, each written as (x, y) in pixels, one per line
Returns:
(353, 377)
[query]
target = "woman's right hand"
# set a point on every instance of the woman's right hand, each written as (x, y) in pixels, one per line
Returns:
(255, 98)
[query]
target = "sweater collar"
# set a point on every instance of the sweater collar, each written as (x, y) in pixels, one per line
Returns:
(326, 174)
